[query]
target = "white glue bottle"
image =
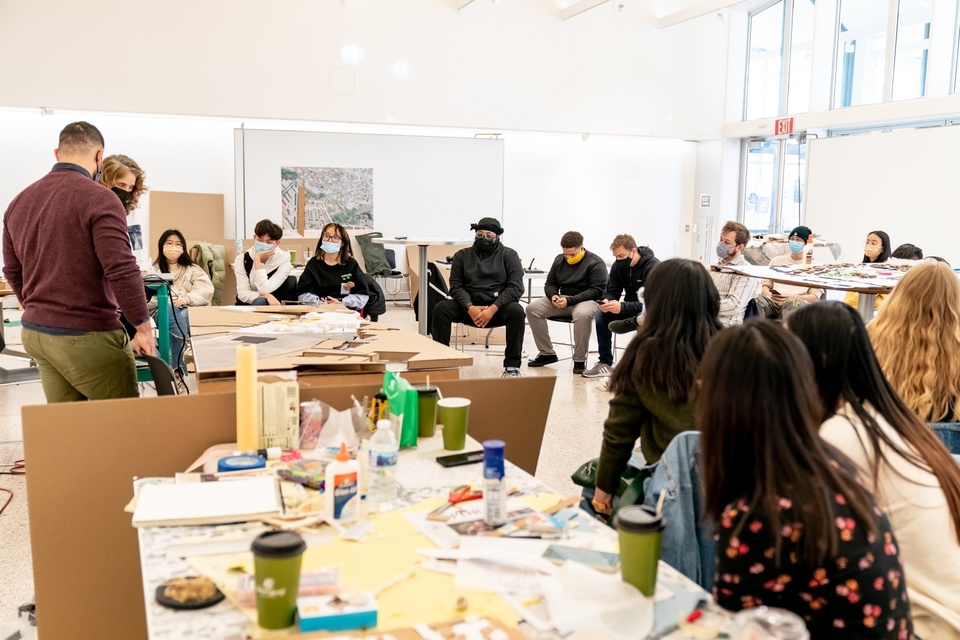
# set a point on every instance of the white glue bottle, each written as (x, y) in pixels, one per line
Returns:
(342, 488)
(494, 485)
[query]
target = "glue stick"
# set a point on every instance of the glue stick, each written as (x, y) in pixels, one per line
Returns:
(494, 485)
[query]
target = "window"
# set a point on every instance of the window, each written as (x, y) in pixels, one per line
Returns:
(774, 184)
(801, 57)
(764, 65)
(913, 46)
(861, 53)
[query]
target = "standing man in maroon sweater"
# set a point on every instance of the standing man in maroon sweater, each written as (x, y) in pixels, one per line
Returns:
(66, 254)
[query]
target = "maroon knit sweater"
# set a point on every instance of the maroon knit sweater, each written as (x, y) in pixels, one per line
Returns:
(66, 254)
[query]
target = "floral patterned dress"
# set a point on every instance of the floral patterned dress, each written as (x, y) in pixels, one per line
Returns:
(861, 593)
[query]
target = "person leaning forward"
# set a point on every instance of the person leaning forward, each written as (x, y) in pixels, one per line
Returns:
(574, 285)
(66, 255)
(486, 282)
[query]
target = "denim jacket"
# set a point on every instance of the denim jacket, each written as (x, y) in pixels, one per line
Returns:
(688, 543)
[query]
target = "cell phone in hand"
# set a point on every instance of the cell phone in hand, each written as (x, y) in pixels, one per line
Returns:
(459, 459)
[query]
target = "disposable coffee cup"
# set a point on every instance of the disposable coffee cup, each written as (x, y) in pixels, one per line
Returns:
(453, 414)
(426, 410)
(276, 561)
(640, 529)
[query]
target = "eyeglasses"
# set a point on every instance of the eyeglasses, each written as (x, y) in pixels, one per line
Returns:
(329, 238)
(488, 235)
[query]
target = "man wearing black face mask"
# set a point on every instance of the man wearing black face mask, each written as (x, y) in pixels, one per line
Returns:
(66, 257)
(627, 275)
(486, 282)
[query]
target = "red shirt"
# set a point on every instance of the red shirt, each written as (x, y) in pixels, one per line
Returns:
(66, 254)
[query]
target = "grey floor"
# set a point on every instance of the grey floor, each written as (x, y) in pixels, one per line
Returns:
(572, 436)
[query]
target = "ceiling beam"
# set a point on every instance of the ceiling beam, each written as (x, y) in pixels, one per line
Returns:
(701, 9)
(579, 7)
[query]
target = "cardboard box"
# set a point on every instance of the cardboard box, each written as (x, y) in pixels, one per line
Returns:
(84, 456)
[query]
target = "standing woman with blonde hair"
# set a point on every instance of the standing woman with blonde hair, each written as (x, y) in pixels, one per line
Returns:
(917, 341)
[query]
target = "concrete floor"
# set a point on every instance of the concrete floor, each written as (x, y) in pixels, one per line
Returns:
(572, 436)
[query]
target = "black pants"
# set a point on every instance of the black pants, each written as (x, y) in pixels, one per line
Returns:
(511, 316)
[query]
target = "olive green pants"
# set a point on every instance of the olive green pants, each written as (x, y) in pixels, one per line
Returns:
(94, 366)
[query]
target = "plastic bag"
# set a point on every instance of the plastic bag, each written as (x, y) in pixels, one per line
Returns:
(402, 405)
(322, 426)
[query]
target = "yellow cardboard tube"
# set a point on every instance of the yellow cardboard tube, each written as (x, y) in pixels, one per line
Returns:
(248, 400)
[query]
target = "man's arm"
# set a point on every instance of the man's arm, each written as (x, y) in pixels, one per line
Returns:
(513, 288)
(457, 282)
(12, 267)
(615, 285)
(270, 284)
(245, 292)
(550, 287)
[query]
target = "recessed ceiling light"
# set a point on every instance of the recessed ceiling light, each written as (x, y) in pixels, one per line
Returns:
(352, 53)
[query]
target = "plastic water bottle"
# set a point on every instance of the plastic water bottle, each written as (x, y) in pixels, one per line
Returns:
(383, 468)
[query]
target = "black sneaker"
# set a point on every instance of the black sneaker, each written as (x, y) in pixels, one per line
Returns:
(627, 325)
(542, 360)
(579, 367)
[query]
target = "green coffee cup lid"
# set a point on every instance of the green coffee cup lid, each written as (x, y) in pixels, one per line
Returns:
(278, 544)
(638, 519)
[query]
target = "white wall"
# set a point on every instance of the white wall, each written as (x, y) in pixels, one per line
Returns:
(511, 65)
(552, 183)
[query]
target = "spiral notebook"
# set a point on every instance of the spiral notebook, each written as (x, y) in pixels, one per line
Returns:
(195, 503)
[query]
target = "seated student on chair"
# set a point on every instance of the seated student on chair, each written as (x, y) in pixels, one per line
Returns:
(486, 282)
(627, 275)
(777, 299)
(876, 249)
(914, 478)
(191, 287)
(262, 270)
(652, 384)
(736, 291)
(332, 274)
(797, 529)
(574, 285)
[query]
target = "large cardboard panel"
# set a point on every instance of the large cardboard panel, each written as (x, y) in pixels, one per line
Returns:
(83, 457)
(199, 216)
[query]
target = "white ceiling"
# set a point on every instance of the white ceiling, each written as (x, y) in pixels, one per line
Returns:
(654, 8)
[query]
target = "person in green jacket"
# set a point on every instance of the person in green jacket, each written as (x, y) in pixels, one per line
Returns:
(652, 383)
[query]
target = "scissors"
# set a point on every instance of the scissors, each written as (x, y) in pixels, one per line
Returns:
(463, 493)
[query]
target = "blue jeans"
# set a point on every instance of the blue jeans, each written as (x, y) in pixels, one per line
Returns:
(605, 337)
(260, 302)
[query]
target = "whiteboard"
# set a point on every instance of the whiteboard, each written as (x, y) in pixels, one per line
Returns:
(906, 183)
(422, 186)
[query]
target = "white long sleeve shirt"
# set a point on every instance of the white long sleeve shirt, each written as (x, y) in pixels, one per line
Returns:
(260, 282)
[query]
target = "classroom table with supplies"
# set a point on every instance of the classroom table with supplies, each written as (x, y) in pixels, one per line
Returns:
(388, 558)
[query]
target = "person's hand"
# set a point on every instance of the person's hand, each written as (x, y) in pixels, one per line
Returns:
(778, 297)
(331, 300)
(143, 342)
(485, 316)
(349, 284)
(559, 302)
(474, 312)
(180, 302)
(271, 299)
(263, 256)
(600, 495)
(610, 306)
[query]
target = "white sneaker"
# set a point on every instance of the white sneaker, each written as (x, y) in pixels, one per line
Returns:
(599, 370)
(511, 372)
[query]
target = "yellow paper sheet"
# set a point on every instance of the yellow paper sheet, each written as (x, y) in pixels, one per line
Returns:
(384, 556)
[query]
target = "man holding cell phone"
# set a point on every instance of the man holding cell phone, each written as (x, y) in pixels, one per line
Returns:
(627, 275)
(777, 299)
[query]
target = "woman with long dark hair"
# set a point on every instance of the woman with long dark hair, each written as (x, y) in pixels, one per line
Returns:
(797, 529)
(875, 249)
(914, 477)
(333, 275)
(651, 384)
(191, 287)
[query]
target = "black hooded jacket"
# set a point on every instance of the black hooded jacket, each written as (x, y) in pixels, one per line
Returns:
(627, 280)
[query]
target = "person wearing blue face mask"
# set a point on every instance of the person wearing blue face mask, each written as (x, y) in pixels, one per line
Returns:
(262, 270)
(333, 275)
(778, 299)
(736, 291)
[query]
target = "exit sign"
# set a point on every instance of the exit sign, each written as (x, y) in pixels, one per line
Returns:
(783, 127)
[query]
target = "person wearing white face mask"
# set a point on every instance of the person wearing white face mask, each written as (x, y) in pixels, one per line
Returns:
(875, 249)
(191, 287)
(777, 300)
(262, 271)
(736, 291)
(333, 274)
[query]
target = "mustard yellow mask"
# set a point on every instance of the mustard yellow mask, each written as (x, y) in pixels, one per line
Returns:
(577, 258)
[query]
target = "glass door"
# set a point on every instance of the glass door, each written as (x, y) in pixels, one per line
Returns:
(773, 184)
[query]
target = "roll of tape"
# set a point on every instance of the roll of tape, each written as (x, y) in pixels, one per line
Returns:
(240, 463)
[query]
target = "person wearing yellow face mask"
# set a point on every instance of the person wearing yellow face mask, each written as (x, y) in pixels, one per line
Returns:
(875, 249)
(574, 285)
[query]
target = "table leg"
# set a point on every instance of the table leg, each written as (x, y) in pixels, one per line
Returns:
(865, 305)
(424, 329)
